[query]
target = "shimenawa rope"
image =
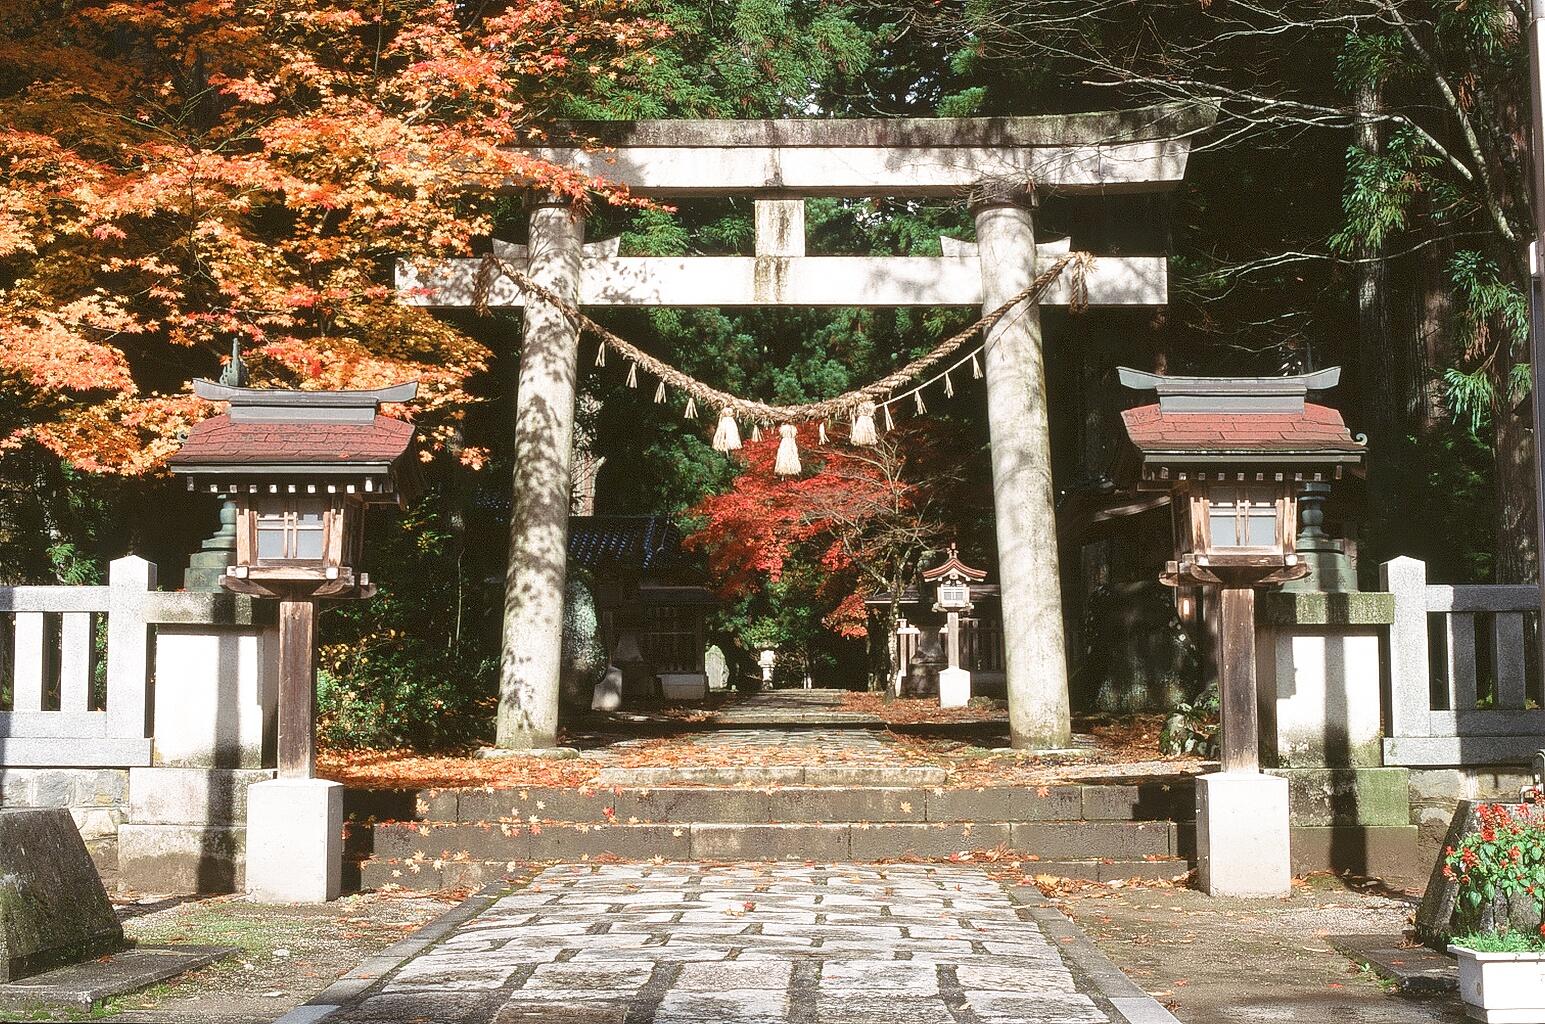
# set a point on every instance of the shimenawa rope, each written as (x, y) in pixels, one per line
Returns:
(857, 406)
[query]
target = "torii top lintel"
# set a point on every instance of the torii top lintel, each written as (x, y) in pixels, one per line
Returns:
(1142, 150)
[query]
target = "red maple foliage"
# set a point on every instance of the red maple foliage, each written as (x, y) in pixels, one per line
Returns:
(865, 515)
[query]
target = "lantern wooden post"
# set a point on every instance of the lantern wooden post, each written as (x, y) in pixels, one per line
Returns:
(297, 687)
(1240, 728)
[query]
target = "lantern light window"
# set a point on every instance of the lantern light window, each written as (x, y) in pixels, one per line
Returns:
(290, 536)
(1243, 517)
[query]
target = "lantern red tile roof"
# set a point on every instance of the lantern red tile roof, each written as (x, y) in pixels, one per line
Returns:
(1316, 428)
(220, 440)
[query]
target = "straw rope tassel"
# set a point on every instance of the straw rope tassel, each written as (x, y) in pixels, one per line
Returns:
(863, 433)
(890, 424)
(659, 394)
(949, 386)
(917, 396)
(727, 438)
(600, 354)
(976, 368)
(691, 412)
(820, 433)
(788, 452)
(756, 432)
(632, 375)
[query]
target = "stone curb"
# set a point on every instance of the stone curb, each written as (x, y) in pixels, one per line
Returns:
(373, 969)
(1092, 968)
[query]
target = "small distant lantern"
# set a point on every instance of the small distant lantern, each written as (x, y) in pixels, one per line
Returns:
(301, 468)
(1233, 453)
(953, 579)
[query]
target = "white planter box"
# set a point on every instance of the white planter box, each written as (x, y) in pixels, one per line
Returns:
(1502, 988)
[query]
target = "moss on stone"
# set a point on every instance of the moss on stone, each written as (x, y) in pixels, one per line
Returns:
(1318, 608)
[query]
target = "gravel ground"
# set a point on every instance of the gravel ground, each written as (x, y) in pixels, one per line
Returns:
(1222, 961)
(287, 953)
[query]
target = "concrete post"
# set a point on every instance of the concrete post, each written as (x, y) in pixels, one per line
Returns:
(1036, 662)
(531, 654)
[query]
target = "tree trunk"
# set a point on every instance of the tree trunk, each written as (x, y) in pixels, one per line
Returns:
(1383, 383)
(882, 626)
(1517, 547)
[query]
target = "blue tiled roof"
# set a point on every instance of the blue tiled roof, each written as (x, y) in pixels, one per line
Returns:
(649, 545)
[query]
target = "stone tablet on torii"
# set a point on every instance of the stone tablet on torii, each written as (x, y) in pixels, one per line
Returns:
(1000, 164)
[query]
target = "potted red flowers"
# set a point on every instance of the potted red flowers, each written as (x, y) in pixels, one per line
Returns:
(1499, 870)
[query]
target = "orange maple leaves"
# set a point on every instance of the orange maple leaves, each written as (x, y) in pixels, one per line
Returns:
(176, 175)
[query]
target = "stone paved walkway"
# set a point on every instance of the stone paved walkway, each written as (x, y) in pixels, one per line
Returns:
(790, 707)
(694, 944)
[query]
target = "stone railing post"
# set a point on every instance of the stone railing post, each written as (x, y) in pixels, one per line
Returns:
(129, 581)
(1409, 690)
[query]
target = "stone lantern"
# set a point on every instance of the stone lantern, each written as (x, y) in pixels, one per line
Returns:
(1234, 453)
(953, 579)
(300, 468)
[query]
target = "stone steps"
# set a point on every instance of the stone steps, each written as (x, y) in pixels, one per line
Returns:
(1151, 801)
(439, 838)
(888, 775)
(730, 840)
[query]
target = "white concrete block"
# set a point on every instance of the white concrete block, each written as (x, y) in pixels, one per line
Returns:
(191, 796)
(294, 841)
(608, 692)
(954, 688)
(1242, 835)
(216, 693)
(1321, 688)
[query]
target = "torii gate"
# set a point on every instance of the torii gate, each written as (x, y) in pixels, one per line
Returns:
(1000, 164)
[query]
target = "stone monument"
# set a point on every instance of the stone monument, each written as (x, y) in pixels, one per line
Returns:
(53, 909)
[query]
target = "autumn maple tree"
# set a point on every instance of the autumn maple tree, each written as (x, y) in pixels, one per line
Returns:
(176, 176)
(863, 517)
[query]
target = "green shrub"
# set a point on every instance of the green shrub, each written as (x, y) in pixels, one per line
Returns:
(403, 692)
(1193, 728)
(1510, 941)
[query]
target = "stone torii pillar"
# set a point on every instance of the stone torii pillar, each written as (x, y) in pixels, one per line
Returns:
(531, 651)
(1035, 658)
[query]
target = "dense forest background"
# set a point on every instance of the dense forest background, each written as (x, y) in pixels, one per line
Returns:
(1362, 201)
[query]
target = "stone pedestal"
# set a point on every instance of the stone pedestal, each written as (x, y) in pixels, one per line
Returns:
(1242, 835)
(684, 686)
(1318, 663)
(954, 688)
(216, 701)
(294, 841)
(187, 829)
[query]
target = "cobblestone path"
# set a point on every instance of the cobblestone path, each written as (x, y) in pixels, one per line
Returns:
(692, 944)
